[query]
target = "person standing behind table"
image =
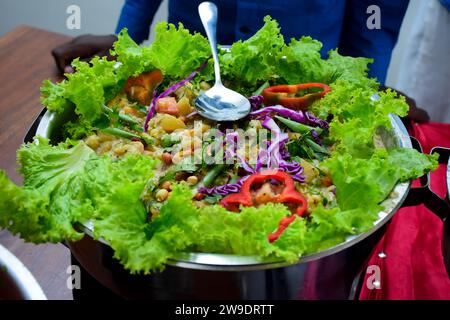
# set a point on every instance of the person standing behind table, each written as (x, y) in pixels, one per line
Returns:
(423, 68)
(336, 23)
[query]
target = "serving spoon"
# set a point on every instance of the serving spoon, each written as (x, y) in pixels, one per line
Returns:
(218, 103)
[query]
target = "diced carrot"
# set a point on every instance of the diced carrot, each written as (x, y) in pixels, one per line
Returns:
(167, 105)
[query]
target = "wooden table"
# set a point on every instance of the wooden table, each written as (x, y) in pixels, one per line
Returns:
(25, 61)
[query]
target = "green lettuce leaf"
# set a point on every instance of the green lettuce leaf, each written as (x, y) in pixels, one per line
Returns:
(351, 69)
(175, 51)
(254, 59)
(362, 183)
(65, 185)
(88, 89)
(143, 246)
(52, 96)
(244, 233)
(330, 227)
(53, 197)
(300, 62)
(357, 116)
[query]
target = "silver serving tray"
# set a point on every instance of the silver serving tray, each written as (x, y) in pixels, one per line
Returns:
(49, 127)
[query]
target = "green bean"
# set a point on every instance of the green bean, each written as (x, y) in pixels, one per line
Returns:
(122, 117)
(298, 127)
(315, 147)
(212, 175)
(121, 133)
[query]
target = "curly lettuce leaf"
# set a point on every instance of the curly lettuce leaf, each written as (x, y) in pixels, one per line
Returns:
(143, 246)
(53, 197)
(351, 69)
(87, 90)
(246, 233)
(52, 96)
(357, 116)
(362, 183)
(254, 59)
(301, 62)
(64, 185)
(175, 51)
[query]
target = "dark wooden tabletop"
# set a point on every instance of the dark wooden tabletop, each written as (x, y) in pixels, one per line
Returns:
(25, 61)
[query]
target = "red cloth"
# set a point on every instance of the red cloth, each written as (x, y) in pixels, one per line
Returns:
(413, 267)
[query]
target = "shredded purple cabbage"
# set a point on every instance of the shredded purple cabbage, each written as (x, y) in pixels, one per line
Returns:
(294, 169)
(230, 151)
(277, 152)
(171, 89)
(299, 116)
(284, 153)
(312, 120)
(225, 189)
(151, 110)
(315, 137)
(255, 102)
(279, 139)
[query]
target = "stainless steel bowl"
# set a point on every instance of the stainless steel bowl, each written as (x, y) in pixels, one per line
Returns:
(16, 281)
(328, 274)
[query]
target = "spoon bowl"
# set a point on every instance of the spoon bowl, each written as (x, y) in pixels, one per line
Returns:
(218, 103)
(222, 104)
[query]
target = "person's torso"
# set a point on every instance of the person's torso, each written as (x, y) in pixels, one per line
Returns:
(239, 19)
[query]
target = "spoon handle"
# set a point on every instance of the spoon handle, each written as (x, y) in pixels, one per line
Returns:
(208, 15)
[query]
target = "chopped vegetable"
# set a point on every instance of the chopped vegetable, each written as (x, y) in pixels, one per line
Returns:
(288, 195)
(298, 127)
(170, 123)
(225, 189)
(288, 95)
(171, 89)
(298, 116)
(122, 117)
(184, 107)
(121, 133)
(167, 141)
(167, 105)
(141, 87)
(212, 174)
(255, 102)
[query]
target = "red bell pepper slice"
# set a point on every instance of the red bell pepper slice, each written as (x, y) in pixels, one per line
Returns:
(280, 95)
(288, 195)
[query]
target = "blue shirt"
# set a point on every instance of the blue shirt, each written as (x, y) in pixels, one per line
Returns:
(336, 23)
